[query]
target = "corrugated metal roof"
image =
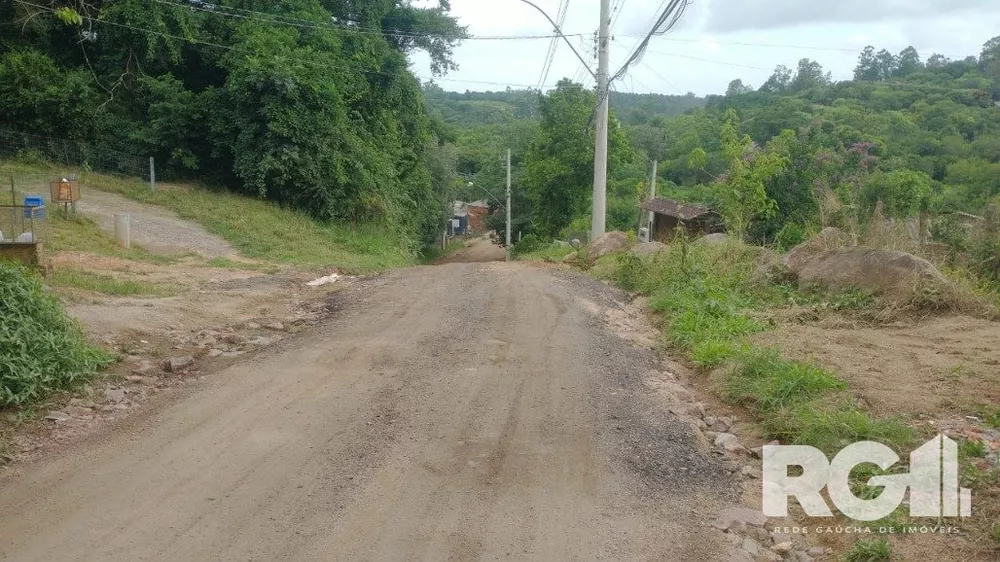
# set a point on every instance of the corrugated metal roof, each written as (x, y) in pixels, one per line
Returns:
(676, 209)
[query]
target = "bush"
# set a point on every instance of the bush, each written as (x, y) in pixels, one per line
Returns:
(41, 349)
(873, 550)
(527, 245)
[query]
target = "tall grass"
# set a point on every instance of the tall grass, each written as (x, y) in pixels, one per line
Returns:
(711, 299)
(41, 349)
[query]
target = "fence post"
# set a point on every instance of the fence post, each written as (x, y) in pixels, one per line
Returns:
(152, 174)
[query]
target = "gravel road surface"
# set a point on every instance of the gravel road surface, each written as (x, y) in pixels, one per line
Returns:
(463, 411)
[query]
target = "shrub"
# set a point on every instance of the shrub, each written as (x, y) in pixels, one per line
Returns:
(873, 550)
(41, 349)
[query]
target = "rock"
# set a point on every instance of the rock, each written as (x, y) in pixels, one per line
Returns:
(215, 352)
(783, 547)
(802, 556)
(252, 326)
(81, 403)
(716, 238)
(710, 420)
(886, 272)
(114, 395)
(817, 551)
(207, 341)
(759, 534)
(739, 555)
(735, 517)
(751, 546)
(751, 472)
(77, 411)
(180, 364)
(138, 379)
(607, 243)
(769, 556)
(647, 249)
(234, 339)
(260, 341)
(57, 416)
(728, 442)
(276, 326)
(145, 368)
(132, 358)
(778, 538)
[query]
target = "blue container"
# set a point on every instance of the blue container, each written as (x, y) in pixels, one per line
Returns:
(35, 207)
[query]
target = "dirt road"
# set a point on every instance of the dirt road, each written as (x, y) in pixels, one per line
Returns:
(153, 227)
(465, 411)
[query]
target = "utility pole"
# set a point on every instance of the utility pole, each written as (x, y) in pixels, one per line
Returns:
(601, 148)
(508, 205)
(652, 195)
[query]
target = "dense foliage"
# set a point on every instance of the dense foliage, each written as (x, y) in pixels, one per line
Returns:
(915, 135)
(41, 348)
(305, 102)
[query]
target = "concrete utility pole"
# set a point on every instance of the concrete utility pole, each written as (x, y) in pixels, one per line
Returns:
(508, 205)
(652, 195)
(601, 148)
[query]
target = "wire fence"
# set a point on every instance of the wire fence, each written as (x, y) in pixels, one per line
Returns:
(73, 154)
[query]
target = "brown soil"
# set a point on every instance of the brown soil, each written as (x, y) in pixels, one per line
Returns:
(457, 412)
(936, 367)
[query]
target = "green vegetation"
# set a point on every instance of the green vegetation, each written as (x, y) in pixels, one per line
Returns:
(108, 285)
(81, 234)
(41, 349)
(262, 230)
(711, 301)
(307, 104)
(870, 550)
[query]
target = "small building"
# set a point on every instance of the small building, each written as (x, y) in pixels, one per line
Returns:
(669, 215)
(477, 216)
(458, 225)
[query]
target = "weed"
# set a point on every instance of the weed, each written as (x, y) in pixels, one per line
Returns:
(767, 383)
(108, 285)
(41, 349)
(75, 233)
(226, 263)
(995, 533)
(971, 448)
(870, 550)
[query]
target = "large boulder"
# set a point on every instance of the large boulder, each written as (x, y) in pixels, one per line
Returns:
(830, 238)
(607, 243)
(886, 272)
(647, 249)
(714, 238)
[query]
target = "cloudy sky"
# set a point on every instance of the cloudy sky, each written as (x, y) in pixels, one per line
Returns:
(716, 41)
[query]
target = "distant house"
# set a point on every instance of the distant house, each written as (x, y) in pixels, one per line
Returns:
(477, 216)
(669, 215)
(468, 218)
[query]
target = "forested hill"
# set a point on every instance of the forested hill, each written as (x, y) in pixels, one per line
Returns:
(468, 109)
(310, 104)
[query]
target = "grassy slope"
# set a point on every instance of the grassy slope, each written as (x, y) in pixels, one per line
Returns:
(258, 229)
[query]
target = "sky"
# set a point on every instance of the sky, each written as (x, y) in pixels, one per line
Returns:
(715, 42)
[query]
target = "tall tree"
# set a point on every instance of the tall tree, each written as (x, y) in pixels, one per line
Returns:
(780, 80)
(559, 170)
(868, 66)
(810, 75)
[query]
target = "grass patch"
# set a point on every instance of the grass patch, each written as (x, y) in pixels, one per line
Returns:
(432, 253)
(711, 300)
(258, 229)
(870, 550)
(108, 285)
(552, 253)
(265, 231)
(75, 233)
(42, 350)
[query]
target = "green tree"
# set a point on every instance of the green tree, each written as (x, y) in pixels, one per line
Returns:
(559, 169)
(741, 193)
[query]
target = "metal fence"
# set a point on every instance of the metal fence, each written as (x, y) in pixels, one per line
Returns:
(21, 225)
(73, 154)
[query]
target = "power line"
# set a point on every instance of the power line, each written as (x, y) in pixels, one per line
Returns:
(304, 61)
(661, 77)
(554, 44)
(307, 24)
(708, 60)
